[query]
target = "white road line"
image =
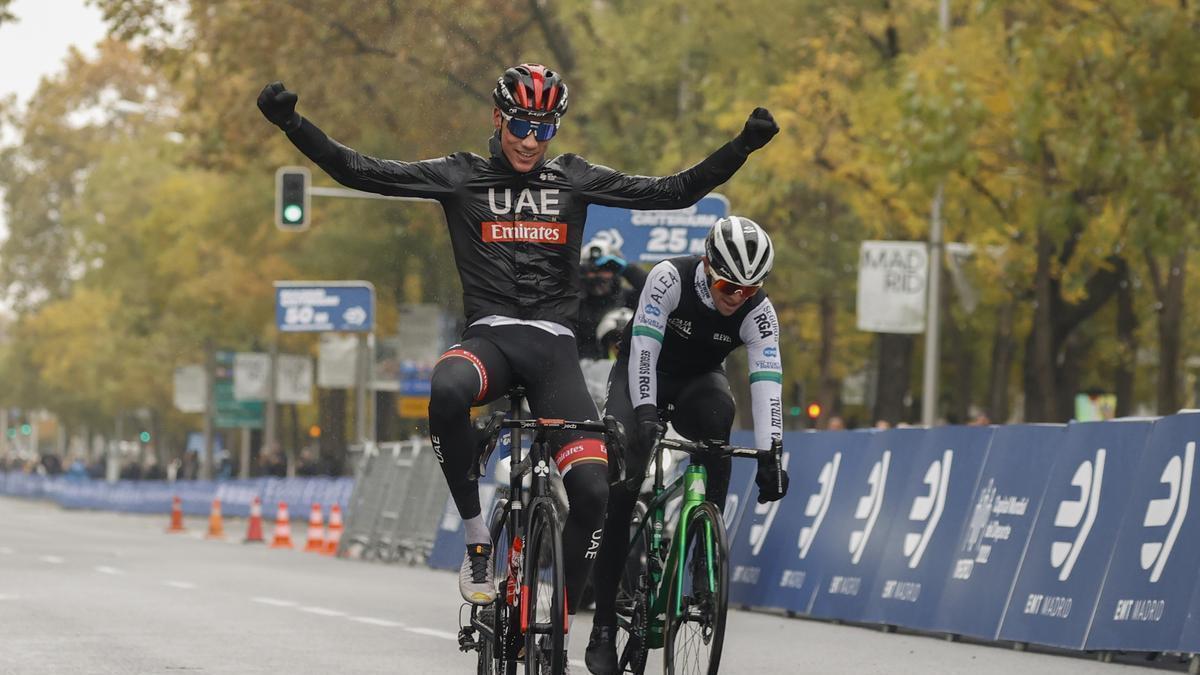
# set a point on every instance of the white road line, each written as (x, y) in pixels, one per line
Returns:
(432, 633)
(4, 550)
(325, 612)
(185, 585)
(4, 596)
(108, 570)
(275, 603)
(52, 559)
(376, 622)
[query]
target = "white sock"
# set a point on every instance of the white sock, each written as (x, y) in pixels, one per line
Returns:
(477, 531)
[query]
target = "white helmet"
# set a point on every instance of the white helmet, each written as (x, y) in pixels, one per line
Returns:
(739, 251)
(614, 320)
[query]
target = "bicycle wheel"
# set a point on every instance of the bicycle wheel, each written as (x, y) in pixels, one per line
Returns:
(696, 608)
(500, 652)
(543, 593)
(633, 607)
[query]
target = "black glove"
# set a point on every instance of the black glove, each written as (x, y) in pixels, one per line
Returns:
(278, 105)
(648, 427)
(759, 130)
(771, 479)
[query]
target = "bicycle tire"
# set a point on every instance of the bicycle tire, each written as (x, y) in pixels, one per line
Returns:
(501, 650)
(633, 607)
(544, 576)
(700, 627)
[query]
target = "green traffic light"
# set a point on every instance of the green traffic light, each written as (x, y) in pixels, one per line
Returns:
(144, 436)
(293, 213)
(794, 411)
(26, 430)
(12, 433)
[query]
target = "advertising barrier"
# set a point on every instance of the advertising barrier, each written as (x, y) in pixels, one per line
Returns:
(149, 496)
(1072, 536)
(1144, 602)
(860, 519)
(935, 502)
(1068, 553)
(999, 520)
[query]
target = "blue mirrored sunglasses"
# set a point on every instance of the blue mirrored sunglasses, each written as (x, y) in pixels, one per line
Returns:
(542, 131)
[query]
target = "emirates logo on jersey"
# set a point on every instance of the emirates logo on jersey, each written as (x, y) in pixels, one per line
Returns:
(519, 230)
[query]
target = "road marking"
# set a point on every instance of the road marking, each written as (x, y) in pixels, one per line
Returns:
(6, 550)
(275, 603)
(432, 633)
(376, 622)
(323, 612)
(108, 570)
(52, 559)
(8, 597)
(185, 585)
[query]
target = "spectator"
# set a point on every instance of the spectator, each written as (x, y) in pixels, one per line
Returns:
(979, 419)
(152, 470)
(882, 424)
(308, 465)
(836, 423)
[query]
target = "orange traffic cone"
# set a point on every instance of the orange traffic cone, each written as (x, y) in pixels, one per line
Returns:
(254, 531)
(334, 534)
(316, 531)
(176, 515)
(283, 528)
(216, 529)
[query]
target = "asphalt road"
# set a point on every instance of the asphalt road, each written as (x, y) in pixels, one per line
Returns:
(84, 592)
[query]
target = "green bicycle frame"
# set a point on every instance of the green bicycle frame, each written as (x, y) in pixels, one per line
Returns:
(694, 483)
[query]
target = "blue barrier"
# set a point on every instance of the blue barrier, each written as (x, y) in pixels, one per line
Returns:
(1144, 602)
(195, 496)
(1059, 581)
(860, 519)
(772, 555)
(1073, 536)
(935, 502)
(992, 541)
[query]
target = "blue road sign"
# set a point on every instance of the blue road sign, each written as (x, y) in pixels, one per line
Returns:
(1058, 584)
(651, 236)
(1145, 598)
(319, 306)
(999, 520)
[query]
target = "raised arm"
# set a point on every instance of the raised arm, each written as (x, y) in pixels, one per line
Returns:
(760, 333)
(433, 178)
(608, 187)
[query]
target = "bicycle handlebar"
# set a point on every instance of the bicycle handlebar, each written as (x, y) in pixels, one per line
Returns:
(713, 449)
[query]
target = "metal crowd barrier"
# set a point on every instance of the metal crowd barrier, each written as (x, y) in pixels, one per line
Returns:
(398, 497)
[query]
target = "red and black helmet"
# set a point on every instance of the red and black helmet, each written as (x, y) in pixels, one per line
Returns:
(531, 90)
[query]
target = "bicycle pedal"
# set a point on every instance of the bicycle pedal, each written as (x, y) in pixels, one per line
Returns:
(466, 639)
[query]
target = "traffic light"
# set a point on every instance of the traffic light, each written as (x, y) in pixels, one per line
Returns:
(26, 430)
(291, 198)
(144, 437)
(814, 412)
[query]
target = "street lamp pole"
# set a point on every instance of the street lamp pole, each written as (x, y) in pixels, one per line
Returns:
(933, 305)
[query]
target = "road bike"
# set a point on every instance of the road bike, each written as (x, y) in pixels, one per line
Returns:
(527, 621)
(674, 590)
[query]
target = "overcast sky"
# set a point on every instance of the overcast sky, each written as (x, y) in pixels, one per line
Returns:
(36, 45)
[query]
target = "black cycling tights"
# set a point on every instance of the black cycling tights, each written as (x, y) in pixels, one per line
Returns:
(480, 370)
(704, 410)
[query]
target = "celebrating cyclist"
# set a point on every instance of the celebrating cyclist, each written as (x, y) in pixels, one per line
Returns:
(516, 222)
(692, 313)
